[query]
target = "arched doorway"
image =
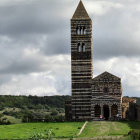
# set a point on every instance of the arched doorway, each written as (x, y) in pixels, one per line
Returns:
(114, 110)
(97, 109)
(106, 112)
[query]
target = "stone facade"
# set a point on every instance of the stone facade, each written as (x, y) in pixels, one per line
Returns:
(106, 96)
(91, 97)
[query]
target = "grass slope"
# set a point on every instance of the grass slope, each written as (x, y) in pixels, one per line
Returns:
(25, 130)
(68, 129)
(104, 128)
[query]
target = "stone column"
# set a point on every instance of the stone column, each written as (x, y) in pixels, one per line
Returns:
(109, 111)
(102, 110)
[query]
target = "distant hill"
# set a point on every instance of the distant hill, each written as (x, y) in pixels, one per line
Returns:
(16, 109)
(32, 102)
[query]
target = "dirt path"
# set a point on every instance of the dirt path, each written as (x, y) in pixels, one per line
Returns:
(81, 130)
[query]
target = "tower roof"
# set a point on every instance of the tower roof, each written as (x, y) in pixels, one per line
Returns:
(80, 12)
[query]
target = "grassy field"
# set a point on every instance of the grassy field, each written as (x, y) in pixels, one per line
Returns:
(25, 130)
(68, 129)
(104, 128)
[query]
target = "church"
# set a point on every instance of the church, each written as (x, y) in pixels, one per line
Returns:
(92, 97)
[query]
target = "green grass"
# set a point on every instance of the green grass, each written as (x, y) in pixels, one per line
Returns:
(104, 128)
(25, 130)
(68, 129)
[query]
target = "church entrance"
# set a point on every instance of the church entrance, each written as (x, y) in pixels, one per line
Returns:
(106, 112)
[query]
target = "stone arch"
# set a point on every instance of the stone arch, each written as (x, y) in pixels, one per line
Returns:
(114, 110)
(97, 110)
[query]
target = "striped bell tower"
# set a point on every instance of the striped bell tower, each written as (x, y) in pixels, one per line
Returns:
(81, 63)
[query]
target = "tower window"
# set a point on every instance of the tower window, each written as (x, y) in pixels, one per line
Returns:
(78, 32)
(81, 30)
(83, 47)
(79, 47)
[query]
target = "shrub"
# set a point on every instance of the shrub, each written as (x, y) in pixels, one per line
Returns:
(54, 113)
(46, 135)
(135, 134)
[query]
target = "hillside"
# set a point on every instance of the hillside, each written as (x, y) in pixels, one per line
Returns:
(96, 129)
(32, 102)
(16, 109)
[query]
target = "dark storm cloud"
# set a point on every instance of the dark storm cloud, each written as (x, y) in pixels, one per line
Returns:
(114, 33)
(58, 43)
(25, 22)
(24, 66)
(30, 18)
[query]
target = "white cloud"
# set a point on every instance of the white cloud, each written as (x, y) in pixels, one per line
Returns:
(102, 7)
(55, 81)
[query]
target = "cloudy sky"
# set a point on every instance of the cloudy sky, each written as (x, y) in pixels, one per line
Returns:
(35, 44)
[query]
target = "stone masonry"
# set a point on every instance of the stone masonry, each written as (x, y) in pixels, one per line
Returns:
(81, 61)
(91, 97)
(106, 96)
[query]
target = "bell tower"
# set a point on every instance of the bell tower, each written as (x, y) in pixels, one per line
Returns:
(81, 63)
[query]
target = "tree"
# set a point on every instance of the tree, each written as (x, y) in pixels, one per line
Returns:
(54, 112)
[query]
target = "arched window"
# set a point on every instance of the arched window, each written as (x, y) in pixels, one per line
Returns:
(78, 31)
(81, 30)
(97, 110)
(84, 30)
(79, 47)
(83, 47)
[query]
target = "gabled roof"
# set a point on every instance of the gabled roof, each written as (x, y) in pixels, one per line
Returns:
(106, 75)
(80, 12)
